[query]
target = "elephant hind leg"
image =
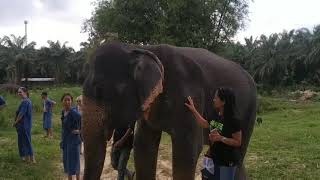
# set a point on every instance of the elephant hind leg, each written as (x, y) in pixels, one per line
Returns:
(146, 145)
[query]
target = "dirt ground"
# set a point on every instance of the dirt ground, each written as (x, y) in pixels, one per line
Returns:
(164, 166)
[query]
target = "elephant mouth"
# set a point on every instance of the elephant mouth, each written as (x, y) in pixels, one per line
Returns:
(92, 113)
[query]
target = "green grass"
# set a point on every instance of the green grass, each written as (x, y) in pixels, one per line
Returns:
(46, 151)
(285, 146)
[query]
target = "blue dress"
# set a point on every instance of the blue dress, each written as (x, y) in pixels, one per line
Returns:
(70, 143)
(47, 116)
(23, 128)
(2, 101)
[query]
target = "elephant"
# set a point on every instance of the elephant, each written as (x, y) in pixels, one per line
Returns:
(149, 84)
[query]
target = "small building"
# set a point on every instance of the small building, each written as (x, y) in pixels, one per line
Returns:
(37, 81)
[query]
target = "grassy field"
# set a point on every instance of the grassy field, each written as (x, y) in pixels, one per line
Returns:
(285, 146)
(46, 151)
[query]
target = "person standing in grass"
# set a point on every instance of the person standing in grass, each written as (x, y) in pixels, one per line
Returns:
(23, 125)
(79, 109)
(225, 136)
(70, 138)
(2, 103)
(79, 104)
(47, 113)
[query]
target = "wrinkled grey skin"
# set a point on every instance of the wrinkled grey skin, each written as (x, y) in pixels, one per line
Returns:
(122, 76)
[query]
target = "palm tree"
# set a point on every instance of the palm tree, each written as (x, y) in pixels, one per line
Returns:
(59, 57)
(44, 66)
(270, 67)
(76, 65)
(300, 47)
(3, 64)
(313, 58)
(18, 57)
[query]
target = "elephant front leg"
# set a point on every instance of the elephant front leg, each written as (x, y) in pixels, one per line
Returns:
(146, 145)
(185, 154)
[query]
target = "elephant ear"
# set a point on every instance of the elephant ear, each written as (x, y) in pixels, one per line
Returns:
(148, 75)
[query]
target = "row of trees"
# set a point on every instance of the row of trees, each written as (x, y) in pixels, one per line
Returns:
(287, 58)
(194, 23)
(20, 59)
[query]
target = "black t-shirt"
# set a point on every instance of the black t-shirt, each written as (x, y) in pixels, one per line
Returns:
(221, 153)
(120, 132)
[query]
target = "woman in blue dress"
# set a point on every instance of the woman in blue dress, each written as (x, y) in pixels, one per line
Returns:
(70, 143)
(47, 113)
(23, 124)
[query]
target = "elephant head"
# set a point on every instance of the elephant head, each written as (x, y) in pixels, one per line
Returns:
(121, 85)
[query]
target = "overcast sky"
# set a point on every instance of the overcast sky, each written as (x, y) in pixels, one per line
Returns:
(62, 19)
(274, 16)
(47, 20)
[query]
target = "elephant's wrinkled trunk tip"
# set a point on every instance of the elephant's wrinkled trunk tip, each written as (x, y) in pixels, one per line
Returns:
(91, 110)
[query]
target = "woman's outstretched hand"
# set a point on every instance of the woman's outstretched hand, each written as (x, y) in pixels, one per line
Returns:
(190, 104)
(200, 120)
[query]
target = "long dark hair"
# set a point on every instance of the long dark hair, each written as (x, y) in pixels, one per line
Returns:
(229, 99)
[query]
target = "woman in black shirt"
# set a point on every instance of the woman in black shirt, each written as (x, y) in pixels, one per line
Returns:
(225, 133)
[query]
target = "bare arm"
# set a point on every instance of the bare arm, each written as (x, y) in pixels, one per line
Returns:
(53, 103)
(76, 122)
(76, 131)
(234, 141)
(125, 137)
(200, 120)
(18, 118)
(22, 112)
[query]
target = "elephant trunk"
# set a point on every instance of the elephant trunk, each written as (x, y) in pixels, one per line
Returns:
(94, 137)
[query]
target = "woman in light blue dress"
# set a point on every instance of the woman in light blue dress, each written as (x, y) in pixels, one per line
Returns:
(23, 125)
(70, 144)
(47, 113)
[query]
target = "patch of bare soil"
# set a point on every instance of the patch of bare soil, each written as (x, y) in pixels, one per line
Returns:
(164, 166)
(306, 95)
